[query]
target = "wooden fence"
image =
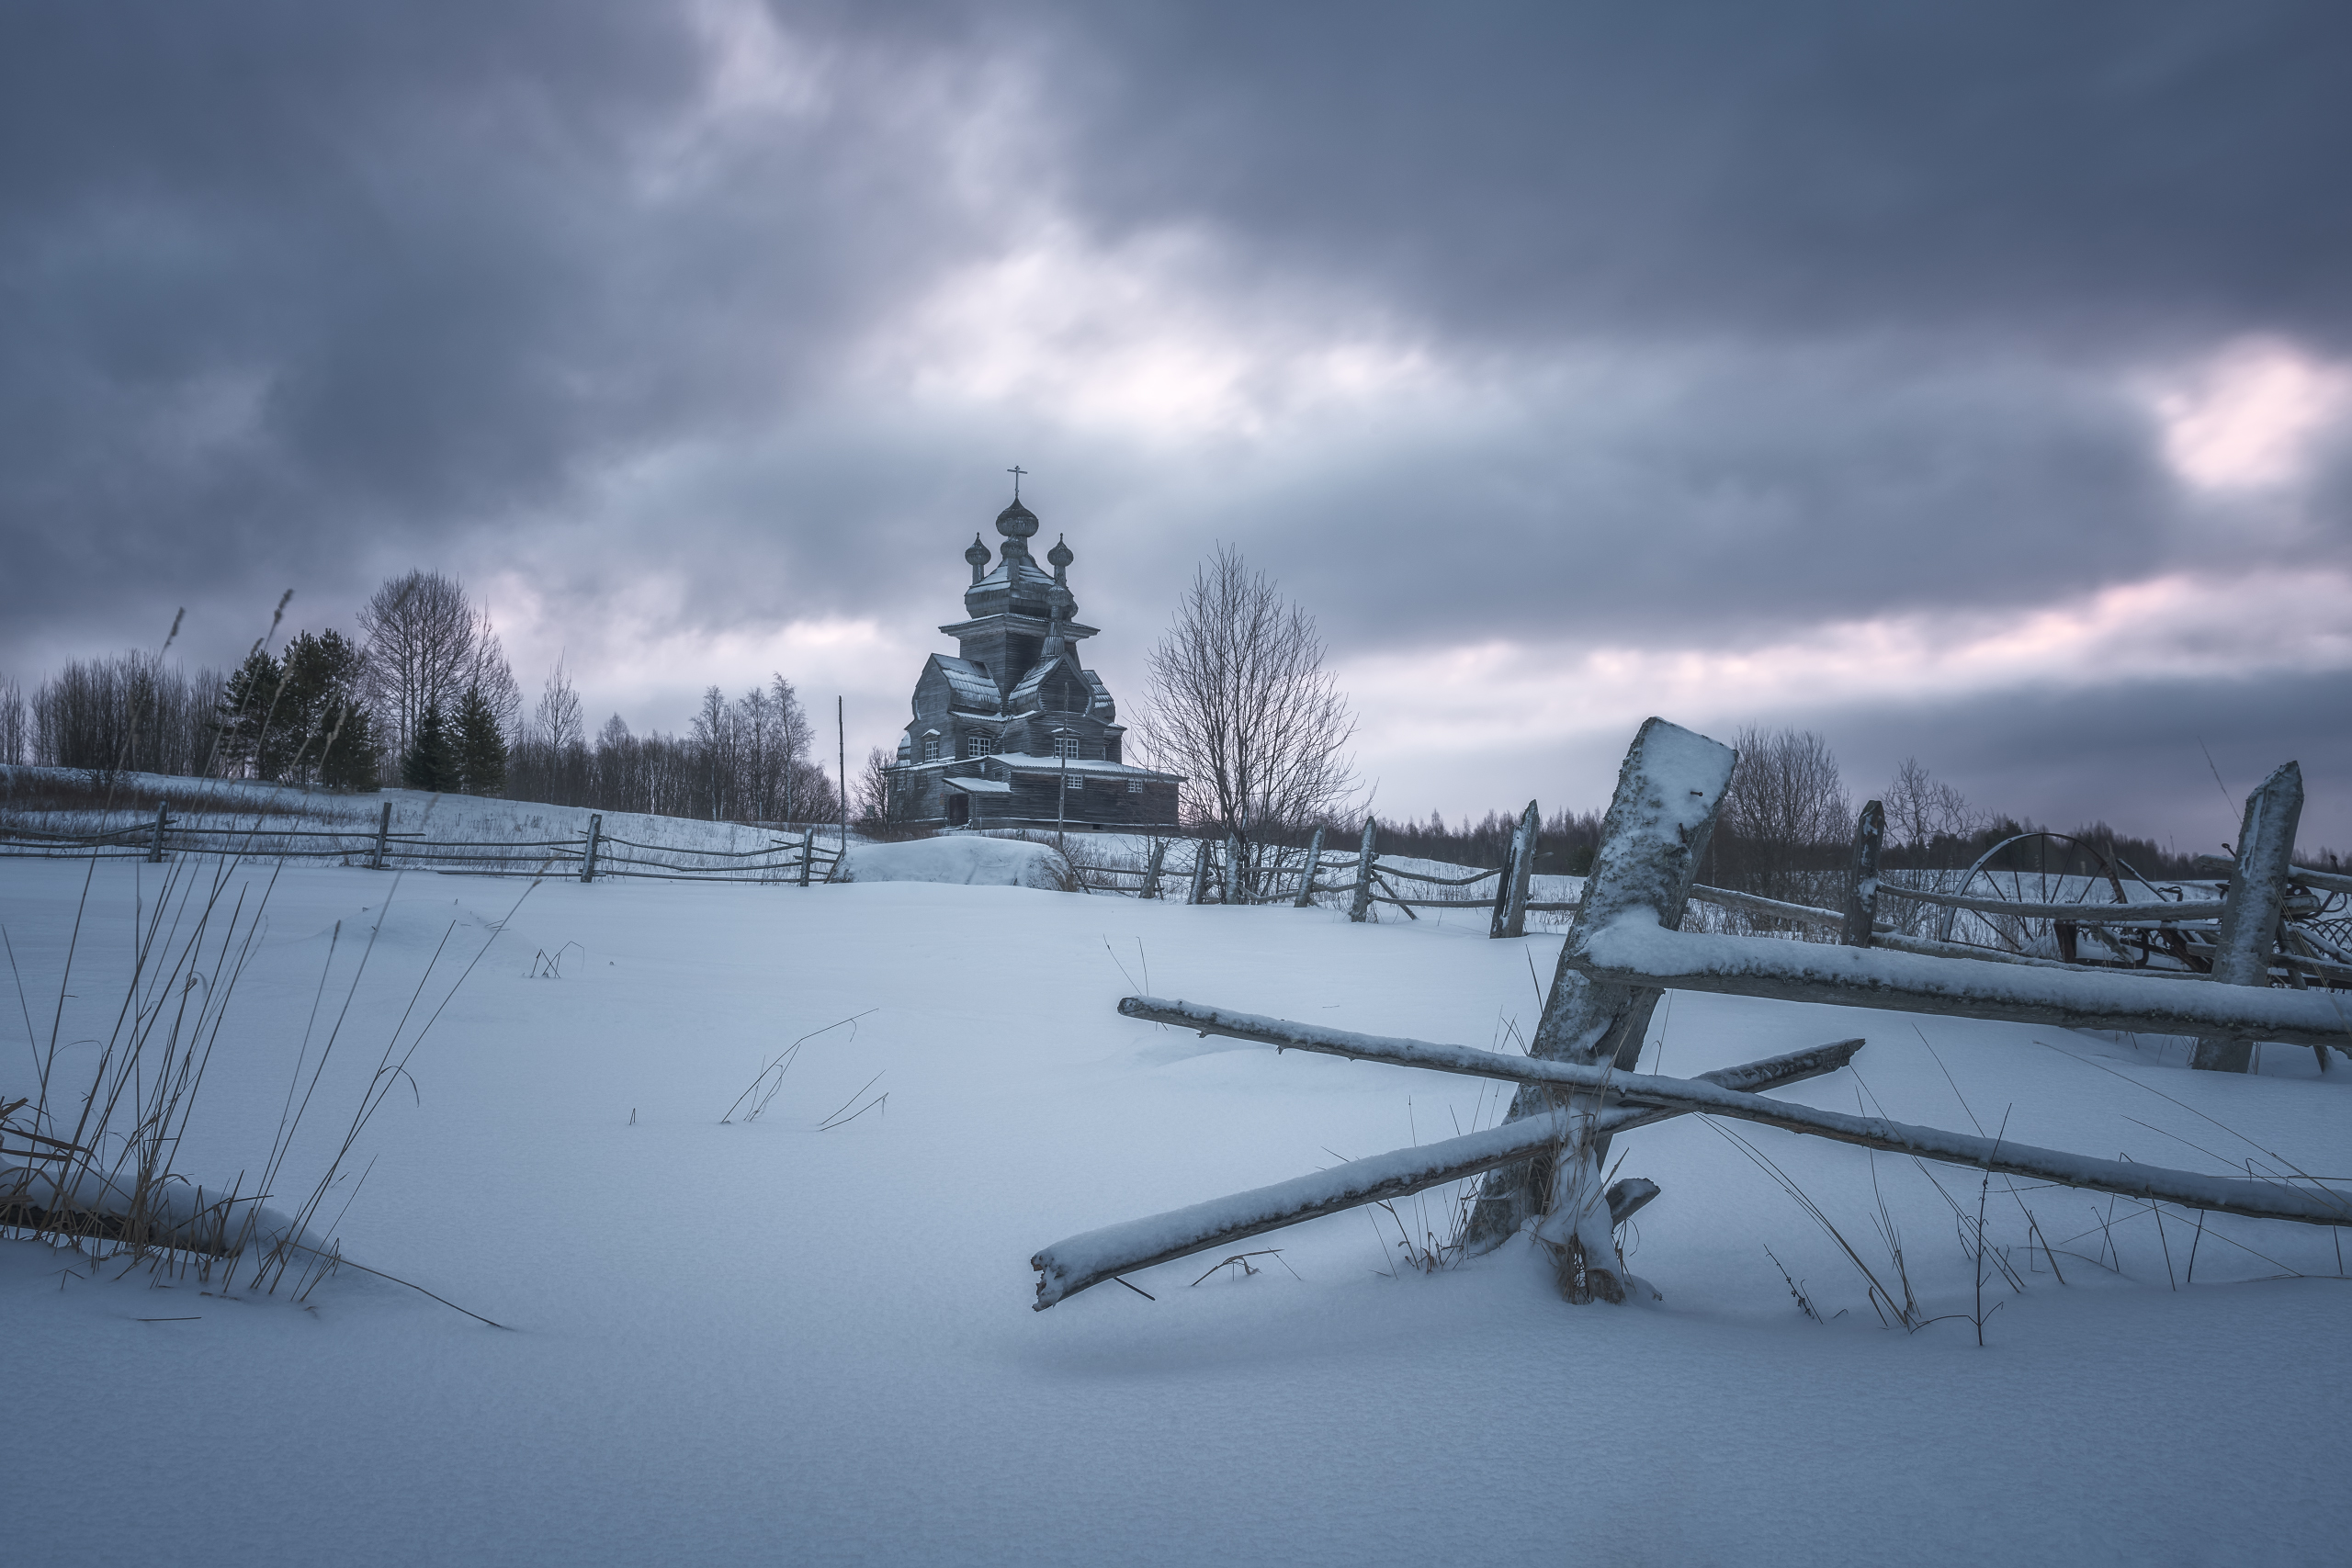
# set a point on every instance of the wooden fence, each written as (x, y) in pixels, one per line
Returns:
(592, 855)
(1227, 872)
(1578, 1087)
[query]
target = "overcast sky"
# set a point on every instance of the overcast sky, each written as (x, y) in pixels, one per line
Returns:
(1971, 381)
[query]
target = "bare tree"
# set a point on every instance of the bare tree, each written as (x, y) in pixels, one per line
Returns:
(1921, 808)
(1238, 701)
(130, 712)
(15, 731)
(1786, 819)
(426, 644)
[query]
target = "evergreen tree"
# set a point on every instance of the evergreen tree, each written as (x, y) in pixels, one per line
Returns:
(323, 729)
(252, 723)
(429, 764)
(480, 751)
(350, 755)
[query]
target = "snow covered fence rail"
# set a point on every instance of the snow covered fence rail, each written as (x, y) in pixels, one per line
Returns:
(1631, 951)
(1070, 1267)
(379, 848)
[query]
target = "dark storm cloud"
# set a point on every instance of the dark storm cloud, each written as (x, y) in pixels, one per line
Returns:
(2008, 168)
(1747, 492)
(286, 283)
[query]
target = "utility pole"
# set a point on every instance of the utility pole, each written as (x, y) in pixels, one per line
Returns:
(840, 735)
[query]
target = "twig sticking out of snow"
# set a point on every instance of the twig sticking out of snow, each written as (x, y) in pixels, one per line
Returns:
(766, 1090)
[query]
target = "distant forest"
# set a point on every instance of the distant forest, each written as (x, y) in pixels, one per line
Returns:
(417, 695)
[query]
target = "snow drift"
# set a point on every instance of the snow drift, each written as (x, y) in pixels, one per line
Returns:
(974, 862)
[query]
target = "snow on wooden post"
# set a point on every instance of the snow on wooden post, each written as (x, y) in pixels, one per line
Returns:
(1362, 905)
(1306, 877)
(155, 851)
(808, 850)
(1152, 871)
(1669, 789)
(383, 833)
(1200, 888)
(1861, 898)
(595, 833)
(1233, 891)
(2250, 914)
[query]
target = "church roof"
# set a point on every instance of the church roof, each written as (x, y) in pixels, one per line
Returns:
(1026, 575)
(973, 689)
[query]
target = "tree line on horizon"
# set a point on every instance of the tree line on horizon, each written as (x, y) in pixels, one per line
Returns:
(421, 697)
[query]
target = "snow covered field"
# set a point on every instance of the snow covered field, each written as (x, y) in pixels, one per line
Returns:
(765, 1343)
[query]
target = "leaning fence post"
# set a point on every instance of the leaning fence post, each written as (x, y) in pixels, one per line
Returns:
(1515, 921)
(2252, 907)
(1668, 790)
(1306, 877)
(162, 815)
(1502, 883)
(1152, 871)
(807, 849)
(1363, 904)
(595, 832)
(1232, 869)
(1200, 871)
(384, 835)
(1861, 896)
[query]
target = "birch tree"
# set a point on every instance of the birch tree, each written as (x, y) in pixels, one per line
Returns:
(1238, 700)
(426, 644)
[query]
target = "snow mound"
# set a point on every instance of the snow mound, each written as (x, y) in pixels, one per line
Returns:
(988, 862)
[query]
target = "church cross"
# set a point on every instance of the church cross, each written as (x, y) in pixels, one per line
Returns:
(1016, 471)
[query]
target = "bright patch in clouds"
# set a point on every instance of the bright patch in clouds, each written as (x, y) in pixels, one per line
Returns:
(1138, 338)
(2246, 420)
(2175, 628)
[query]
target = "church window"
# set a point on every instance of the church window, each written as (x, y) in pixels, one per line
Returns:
(930, 748)
(1074, 781)
(1066, 746)
(975, 746)
(1134, 786)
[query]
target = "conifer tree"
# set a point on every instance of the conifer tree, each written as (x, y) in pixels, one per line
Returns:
(480, 751)
(252, 723)
(428, 764)
(350, 756)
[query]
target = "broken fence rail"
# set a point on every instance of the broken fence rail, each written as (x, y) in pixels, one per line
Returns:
(1627, 951)
(1071, 1266)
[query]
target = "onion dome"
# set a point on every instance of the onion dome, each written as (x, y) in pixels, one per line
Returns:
(979, 554)
(1060, 556)
(1016, 521)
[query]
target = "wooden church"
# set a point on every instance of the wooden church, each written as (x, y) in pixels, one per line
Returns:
(1013, 731)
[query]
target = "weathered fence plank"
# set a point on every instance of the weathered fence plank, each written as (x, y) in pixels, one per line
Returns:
(1862, 896)
(1655, 832)
(2251, 911)
(1070, 1266)
(1307, 874)
(2255, 1198)
(1362, 905)
(1624, 953)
